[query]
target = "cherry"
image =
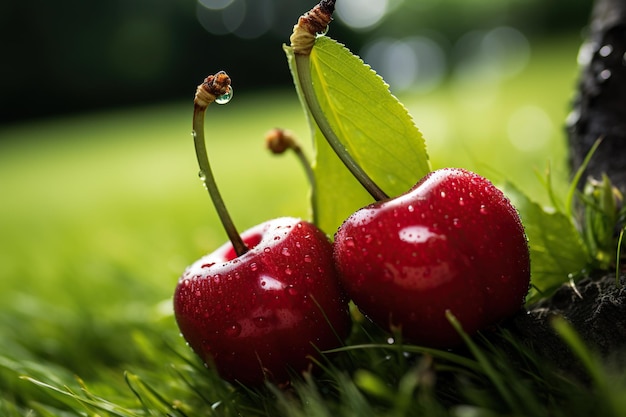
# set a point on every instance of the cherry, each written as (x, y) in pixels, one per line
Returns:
(264, 304)
(453, 242)
(266, 312)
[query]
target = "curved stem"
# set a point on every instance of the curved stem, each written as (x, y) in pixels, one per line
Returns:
(303, 70)
(280, 140)
(206, 174)
(311, 177)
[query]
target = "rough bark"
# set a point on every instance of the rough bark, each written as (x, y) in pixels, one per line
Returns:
(599, 109)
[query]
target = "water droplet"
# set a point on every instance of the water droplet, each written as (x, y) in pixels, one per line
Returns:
(349, 242)
(226, 97)
(198, 293)
(288, 271)
(391, 340)
(483, 209)
(456, 223)
(292, 291)
(411, 208)
(202, 175)
(368, 238)
(253, 266)
(605, 51)
(276, 237)
(263, 283)
(461, 201)
(233, 330)
(260, 322)
(443, 194)
(387, 275)
(308, 259)
(216, 278)
(285, 252)
(186, 282)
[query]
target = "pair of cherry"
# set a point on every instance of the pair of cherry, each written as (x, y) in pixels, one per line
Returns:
(264, 304)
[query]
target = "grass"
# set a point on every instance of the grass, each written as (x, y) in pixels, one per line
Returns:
(101, 213)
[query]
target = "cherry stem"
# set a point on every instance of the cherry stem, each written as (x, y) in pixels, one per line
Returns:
(309, 26)
(280, 140)
(213, 87)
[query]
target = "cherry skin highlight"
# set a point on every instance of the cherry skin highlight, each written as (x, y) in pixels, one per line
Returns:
(453, 242)
(260, 316)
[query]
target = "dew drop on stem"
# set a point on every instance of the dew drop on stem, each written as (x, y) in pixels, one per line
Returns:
(226, 97)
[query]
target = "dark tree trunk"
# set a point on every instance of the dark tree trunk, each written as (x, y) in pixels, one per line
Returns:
(596, 306)
(599, 109)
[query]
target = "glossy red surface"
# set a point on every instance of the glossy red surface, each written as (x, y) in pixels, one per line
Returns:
(261, 314)
(453, 242)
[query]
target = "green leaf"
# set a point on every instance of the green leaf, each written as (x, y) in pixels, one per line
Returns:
(371, 123)
(557, 252)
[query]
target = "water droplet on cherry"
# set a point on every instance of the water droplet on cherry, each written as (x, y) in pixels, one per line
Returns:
(285, 252)
(288, 271)
(456, 223)
(308, 259)
(483, 209)
(233, 330)
(387, 275)
(260, 322)
(254, 266)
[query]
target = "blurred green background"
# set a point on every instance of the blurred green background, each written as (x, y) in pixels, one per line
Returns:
(101, 208)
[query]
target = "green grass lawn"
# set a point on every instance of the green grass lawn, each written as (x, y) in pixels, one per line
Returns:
(101, 213)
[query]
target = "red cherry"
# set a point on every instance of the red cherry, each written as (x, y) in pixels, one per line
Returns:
(453, 242)
(264, 313)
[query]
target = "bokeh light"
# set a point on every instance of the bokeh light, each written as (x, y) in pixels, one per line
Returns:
(215, 4)
(247, 19)
(416, 63)
(496, 54)
(530, 129)
(359, 14)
